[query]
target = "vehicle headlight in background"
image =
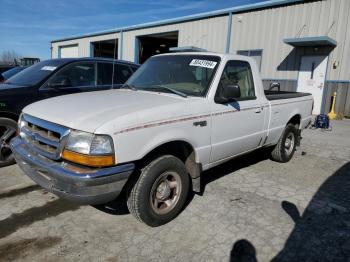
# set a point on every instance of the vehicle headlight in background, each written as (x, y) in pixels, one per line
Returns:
(21, 124)
(89, 149)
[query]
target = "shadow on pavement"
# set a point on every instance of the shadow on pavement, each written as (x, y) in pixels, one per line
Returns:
(243, 251)
(20, 191)
(34, 214)
(234, 165)
(322, 232)
(115, 207)
(24, 247)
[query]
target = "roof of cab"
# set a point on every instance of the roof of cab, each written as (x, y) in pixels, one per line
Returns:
(78, 59)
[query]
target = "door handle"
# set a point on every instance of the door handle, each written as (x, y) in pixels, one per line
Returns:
(258, 110)
(200, 123)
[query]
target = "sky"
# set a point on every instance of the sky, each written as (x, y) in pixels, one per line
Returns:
(28, 26)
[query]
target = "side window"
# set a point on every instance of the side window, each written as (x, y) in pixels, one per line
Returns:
(104, 73)
(255, 54)
(122, 73)
(239, 73)
(134, 68)
(75, 75)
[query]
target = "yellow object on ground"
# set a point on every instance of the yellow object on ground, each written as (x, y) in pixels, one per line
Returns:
(332, 114)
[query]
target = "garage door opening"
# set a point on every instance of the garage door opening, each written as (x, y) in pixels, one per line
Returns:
(105, 48)
(150, 45)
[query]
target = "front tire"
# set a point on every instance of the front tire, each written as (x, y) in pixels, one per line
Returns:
(8, 129)
(160, 192)
(285, 148)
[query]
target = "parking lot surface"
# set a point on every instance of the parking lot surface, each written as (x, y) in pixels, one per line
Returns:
(251, 209)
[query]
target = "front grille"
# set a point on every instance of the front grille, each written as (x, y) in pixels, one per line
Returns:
(44, 137)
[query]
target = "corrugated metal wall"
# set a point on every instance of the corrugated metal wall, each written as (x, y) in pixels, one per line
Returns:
(265, 29)
(83, 43)
(342, 105)
(209, 34)
(262, 29)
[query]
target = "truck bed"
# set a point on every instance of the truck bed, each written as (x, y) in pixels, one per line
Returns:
(276, 95)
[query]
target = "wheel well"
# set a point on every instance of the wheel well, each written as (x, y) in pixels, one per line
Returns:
(180, 149)
(295, 120)
(9, 115)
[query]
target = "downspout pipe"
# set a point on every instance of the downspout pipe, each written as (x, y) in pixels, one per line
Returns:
(229, 29)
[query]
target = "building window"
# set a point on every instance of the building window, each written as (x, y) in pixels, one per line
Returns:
(255, 54)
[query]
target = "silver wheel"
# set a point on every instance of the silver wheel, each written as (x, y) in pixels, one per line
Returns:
(165, 192)
(6, 134)
(289, 143)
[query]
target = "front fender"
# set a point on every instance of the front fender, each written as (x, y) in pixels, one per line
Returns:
(134, 145)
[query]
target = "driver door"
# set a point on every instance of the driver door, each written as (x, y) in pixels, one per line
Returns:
(73, 78)
(237, 127)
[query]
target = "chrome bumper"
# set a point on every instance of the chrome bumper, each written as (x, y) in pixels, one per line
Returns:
(80, 184)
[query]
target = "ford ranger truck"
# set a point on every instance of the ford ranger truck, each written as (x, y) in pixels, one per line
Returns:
(177, 116)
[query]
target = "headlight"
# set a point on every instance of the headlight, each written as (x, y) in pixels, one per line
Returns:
(79, 142)
(89, 149)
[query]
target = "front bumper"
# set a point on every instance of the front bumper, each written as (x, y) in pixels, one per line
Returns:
(80, 184)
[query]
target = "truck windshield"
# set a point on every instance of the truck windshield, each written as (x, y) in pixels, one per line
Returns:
(186, 75)
(35, 73)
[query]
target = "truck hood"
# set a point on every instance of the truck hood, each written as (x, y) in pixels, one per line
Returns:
(119, 108)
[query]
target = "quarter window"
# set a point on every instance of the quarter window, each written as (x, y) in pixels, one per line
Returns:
(239, 73)
(104, 73)
(122, 74)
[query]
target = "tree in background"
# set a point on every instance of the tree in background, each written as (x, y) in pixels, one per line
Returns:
(9, 57)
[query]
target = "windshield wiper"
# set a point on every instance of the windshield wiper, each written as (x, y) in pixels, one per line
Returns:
(129, 86)
(166, 88)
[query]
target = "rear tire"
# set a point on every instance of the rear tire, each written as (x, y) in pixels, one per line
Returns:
(8, 129)
(160, 192)
(285, 148)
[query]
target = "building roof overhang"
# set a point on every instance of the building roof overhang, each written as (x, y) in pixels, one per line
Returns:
(310, 41)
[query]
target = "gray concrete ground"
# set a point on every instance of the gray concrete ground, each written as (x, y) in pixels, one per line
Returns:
(251, 208)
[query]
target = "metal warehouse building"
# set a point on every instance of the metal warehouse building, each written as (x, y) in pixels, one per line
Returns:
(304, 45)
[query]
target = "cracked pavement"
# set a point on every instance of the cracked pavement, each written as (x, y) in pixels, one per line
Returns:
(252, 209)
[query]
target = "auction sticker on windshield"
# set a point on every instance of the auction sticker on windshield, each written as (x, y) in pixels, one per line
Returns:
(48, 68)
(203, 63)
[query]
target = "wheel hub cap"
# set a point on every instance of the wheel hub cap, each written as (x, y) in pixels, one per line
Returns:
(163, 191)
(289, 143)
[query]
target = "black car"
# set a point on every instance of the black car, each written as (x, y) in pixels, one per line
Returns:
(53, 78)
(11, 72)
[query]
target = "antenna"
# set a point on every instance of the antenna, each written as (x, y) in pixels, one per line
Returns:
(115, 47)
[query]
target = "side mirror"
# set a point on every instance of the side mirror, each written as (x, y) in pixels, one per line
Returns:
(275, 85)
(228, 94)
(59, 82)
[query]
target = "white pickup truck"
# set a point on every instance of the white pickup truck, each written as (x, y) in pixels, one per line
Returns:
(178, 115)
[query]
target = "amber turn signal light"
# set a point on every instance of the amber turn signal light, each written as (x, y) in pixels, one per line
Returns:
(87, 160)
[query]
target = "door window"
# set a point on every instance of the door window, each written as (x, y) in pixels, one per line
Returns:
(238, 73)
(76, 75)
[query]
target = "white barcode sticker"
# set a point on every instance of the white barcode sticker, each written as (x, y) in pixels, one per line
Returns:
(48, 68)
(203, 63)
